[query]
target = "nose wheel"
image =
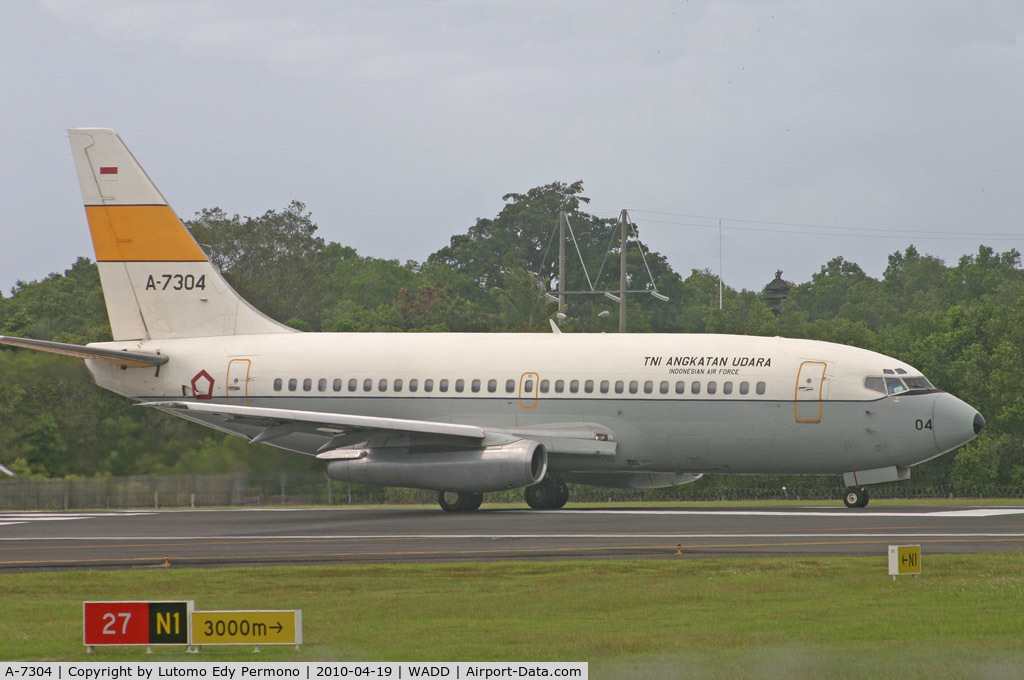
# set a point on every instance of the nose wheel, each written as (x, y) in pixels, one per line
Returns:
(855, 497)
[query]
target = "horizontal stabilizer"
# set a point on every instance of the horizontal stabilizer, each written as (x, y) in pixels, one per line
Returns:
(121, 358)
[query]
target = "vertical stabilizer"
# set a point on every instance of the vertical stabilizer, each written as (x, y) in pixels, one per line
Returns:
(157, 282)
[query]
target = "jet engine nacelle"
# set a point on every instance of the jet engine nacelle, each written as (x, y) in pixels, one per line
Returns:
(492, 468)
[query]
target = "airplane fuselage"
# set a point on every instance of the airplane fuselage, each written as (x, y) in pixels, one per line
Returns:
(671, 403)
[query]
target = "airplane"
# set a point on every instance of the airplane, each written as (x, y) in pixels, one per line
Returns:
(464, 414)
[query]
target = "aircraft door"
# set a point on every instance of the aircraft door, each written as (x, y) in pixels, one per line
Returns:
(810, 381)
(528, 390)
(238, 381)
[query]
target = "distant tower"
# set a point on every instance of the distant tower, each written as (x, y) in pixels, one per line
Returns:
(777, 291)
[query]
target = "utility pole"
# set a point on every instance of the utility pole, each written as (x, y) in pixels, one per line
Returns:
(561, 259)
(623, 221)
(616, 295)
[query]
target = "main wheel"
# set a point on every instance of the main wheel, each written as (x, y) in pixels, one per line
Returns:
(550, 494)
(459, 501)
(855, 497)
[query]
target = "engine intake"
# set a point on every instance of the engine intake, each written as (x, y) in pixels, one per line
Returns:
(492, 468)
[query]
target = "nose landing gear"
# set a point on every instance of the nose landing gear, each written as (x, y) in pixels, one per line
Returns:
(855, 497)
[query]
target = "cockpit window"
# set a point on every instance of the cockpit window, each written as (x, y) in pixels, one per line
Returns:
(918, 383)
(876, 384)
(895, 385)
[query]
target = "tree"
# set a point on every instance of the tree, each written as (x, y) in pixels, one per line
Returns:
(522, 306)
(274, 261)
(66, 307)
(42, 447)
(518, 237)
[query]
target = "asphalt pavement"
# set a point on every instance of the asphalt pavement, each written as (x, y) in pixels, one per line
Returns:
(209, 538)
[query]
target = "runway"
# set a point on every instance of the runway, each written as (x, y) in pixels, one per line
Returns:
(31, 541)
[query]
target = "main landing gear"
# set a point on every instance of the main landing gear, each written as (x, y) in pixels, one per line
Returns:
(550, 494)
(855, 497)
(459, 501)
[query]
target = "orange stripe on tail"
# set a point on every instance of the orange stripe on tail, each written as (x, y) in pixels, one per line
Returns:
(140, 233)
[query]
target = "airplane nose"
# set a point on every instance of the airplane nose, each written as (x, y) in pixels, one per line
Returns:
(954, 422)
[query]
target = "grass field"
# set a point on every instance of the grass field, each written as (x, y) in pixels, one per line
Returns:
(688, 618)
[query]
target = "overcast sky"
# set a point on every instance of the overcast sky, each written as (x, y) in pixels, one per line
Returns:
(400, 123)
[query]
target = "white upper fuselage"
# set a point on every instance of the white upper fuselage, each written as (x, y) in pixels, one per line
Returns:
(675, 403)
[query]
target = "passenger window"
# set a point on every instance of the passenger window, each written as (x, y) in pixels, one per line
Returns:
(428, 385)
(634, 387)
(680, 387)
(367, 385)
(382, 385)
(528, 386)
(278, 384)
(574, 386)
(664, 387)
(875, 384)
(545, 385)
(620, 387)
(761, 387)
(492, 385)
(744, 387)
(588, 386)
(895, 385)
(321, 385)
(398, 385)
(460, 385)
(414, 384)
(727, 387)
(352, 384)
(442, 385)
(648, 386)
(475, 385)
(559, 386)
(605, 386)
(307, 384)
(695, 387)
(337, 385)
(292, 384)
(510, 385)
(712, 387)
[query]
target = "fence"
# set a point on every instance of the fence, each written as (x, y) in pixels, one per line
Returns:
(177, 491)
(240, 490)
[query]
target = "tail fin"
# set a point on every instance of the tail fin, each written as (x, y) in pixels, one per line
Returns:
(157, 282)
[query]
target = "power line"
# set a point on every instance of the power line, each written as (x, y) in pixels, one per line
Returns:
(890, 234)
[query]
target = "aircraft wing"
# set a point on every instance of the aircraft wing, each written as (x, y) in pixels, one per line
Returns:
(327, 431)
(339, 429)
